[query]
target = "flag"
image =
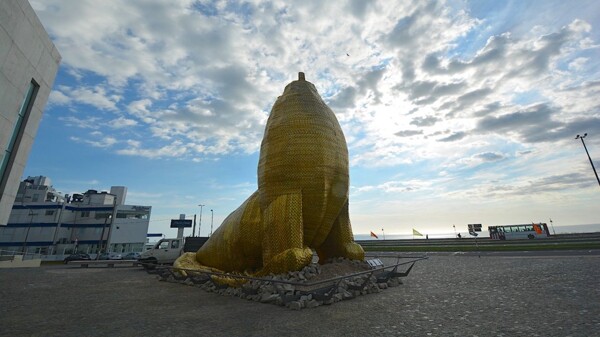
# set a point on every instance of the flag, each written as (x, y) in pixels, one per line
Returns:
(415, 232)
(374, 235)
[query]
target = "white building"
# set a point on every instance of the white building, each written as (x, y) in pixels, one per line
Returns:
(44, 222)
(28, 65)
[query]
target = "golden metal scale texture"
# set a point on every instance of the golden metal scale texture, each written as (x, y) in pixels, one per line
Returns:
(302, 199)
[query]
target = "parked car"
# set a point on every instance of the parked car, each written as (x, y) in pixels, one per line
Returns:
(131, 256)
(76, 257)
(114, 256)
(110, 256)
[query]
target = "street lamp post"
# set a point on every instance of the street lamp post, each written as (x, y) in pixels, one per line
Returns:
(100, 243)
(200, 221)
(588, 154)
(28, 228)
(211, 221)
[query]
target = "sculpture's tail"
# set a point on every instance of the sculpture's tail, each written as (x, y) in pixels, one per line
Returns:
(188, 262)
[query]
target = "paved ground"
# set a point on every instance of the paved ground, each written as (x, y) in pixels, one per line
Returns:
(446, 295)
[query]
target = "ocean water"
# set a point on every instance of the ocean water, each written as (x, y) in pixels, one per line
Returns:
(588, 228)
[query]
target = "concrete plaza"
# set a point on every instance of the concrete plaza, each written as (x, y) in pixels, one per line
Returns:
(554, 294)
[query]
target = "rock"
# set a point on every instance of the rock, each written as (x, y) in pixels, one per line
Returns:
(312, 304)
(382, 285)
(295, 305)
(269, 298)
(394, 282)
(347, 295)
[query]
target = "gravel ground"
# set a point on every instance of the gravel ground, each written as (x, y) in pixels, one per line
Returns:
(446, 295)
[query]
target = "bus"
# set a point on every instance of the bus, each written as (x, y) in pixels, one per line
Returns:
(512, 232)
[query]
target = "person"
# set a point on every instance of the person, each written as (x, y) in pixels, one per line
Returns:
(458, 235)
(426, 236)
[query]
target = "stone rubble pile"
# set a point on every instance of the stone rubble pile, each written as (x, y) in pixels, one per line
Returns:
(273, 290)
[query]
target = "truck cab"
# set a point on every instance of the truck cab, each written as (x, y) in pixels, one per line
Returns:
(165, 251)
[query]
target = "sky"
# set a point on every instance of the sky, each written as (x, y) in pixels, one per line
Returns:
(454, 112)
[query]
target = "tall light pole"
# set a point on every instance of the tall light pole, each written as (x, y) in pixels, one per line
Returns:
(211, 221)
(27, 233)
(200, 221)
(552, 225)
(588, 154)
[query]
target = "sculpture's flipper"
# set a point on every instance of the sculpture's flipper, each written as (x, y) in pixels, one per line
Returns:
(283, 243)
(340, 241)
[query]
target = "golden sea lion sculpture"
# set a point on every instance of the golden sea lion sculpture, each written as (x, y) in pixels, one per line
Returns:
(302, 198)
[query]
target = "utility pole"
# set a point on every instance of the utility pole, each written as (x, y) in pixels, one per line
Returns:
(100, 244)
(200, 221)
(588, 154)
(194, 229)
(28, 228)
(211, 221)
(112, 221)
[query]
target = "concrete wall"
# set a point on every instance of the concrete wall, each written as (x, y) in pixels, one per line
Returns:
(26, 54)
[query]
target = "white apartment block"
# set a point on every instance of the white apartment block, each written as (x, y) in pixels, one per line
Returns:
(46, 223)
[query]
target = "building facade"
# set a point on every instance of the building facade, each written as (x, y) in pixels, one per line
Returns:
(28, 65)
(46, 223)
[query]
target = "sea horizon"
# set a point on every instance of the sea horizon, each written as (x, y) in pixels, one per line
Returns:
(567, 229)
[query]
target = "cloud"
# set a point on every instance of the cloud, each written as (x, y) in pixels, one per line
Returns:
(103, 142)
(175, 149)
(122, 122)
(58, 98)
(97, 96)
(425, 121)
(408, 133)
(83, 123)
(454, 137)
(395, 186)
(206, 75)
(489, 156)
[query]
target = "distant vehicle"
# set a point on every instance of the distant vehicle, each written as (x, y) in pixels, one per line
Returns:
(131, 256)
(512, 232)
(76, 257)
(115, 256)
(166, 251)
(110, 256)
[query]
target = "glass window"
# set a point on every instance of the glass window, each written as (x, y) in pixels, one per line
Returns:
(163, 245)
(49, 212)
(175, 244)
(9, 153)
(100, 215)
(85, 214)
